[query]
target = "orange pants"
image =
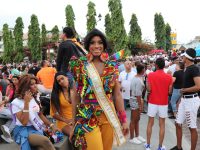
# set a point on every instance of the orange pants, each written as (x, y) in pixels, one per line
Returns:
(101, 138)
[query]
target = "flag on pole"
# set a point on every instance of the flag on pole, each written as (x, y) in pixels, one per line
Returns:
(118, 55)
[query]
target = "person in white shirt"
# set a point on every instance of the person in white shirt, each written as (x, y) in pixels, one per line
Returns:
(166, 69)
(148, 70)
(172, 68)
(29, 119)
(125, 78)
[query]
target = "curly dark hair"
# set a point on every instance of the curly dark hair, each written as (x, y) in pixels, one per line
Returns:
(91, 34)
(56, 90)
(24, 85)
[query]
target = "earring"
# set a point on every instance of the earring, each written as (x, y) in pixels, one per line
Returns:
(89, 57)
(104, 56)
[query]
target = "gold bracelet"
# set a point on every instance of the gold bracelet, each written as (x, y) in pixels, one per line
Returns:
(51, 125)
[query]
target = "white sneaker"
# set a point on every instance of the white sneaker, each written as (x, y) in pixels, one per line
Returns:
(162, 148)
(135, 141)
(141, 139)
(8, 140)
(147, 146)
(6, 131)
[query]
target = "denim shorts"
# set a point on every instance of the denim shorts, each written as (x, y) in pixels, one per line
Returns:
(176, 95)
(70, 78)
(133, 104)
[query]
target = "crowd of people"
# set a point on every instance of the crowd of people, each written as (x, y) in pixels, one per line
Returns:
(170, 88)
(89, 96)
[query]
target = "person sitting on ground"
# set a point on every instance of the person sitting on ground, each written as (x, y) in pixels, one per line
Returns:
(4, 82)
(5, 111)
(60, 106)
(30, 121)
(46, 77)
(24, 70)
(10, 124)
(14, 71)
(34, 69)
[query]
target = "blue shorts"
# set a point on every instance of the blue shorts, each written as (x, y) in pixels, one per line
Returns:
(176, 95)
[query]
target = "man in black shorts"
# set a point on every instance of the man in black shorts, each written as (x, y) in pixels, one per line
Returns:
(190, 102)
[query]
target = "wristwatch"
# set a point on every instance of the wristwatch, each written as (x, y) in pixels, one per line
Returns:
(24, 110)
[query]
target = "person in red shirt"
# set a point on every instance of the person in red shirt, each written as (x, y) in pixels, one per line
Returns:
(159, 85)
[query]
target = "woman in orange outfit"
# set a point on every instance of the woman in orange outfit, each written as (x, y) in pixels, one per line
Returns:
(61, 107)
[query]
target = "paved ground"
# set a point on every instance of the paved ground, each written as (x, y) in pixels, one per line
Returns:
(170, 137)
(169, 141)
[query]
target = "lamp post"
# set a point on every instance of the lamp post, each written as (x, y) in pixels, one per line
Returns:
(99, 16)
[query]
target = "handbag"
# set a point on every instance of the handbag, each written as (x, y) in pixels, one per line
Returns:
(53, 137)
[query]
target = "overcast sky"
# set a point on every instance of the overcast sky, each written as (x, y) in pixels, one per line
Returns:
(182, 15)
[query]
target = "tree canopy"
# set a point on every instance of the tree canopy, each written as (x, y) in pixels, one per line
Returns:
(118, 30)
(70, 16)
(91, 14)
(34, 39)
(18, 35)
(135, 34)
(8, 45)
(160, 33)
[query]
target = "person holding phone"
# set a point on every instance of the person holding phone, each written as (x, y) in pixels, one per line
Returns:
(30, 121)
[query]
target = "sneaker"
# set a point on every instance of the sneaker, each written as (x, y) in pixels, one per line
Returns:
(175, 148)
(147, 146)
(141, 139)
(135, 141)
(144, 112)
(161, 148)
(8, 140)
(172, 117)
(6, 131)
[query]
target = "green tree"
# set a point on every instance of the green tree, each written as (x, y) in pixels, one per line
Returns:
(34, 39)
(135, 34)
(119, 33)
(108, 26)
(55, 34)
(70, 16)
(160, 33)
(12, 44)
(43, 35)
(18, 34)
(7, 44)
(168, 37)
(91, 14)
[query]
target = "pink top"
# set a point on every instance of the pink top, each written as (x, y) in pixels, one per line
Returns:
(9, 92)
